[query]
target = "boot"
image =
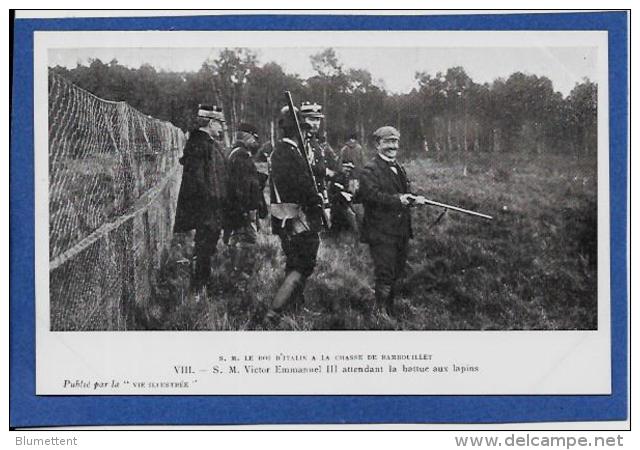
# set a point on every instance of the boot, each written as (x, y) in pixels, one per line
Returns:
(241, 259)
(272, 318)
(202, 272)
(383, 296)
(286, 290)
(390, 305)
(297, 297)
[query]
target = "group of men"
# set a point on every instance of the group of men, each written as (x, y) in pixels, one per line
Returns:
(222, 192)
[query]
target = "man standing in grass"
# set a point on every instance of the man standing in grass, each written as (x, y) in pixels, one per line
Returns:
(203, 190)
(245, 195)
(386, 197)
(296, 215)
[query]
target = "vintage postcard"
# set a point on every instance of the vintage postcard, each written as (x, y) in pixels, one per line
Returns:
(356, 212)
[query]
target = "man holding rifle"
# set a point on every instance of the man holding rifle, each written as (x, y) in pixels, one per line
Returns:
(322, 158)
(296, 211)
(386, 196)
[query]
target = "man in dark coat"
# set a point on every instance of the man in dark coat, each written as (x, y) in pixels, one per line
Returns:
(244, 191)
(385, 193)
(323, 160)
(203, 190)
(244, 184)
(296, 215)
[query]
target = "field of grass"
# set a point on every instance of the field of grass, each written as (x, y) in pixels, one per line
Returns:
(533, 267)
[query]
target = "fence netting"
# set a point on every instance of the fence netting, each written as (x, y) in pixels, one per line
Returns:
(113, 185)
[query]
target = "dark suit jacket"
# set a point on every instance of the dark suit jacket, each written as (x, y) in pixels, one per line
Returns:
(290, 174)
(384, 215)
(243, 188)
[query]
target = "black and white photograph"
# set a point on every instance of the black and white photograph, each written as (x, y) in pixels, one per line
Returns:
(323, 188)
(324, 213)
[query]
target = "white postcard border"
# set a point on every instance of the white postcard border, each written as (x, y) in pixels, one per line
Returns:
(510, 362)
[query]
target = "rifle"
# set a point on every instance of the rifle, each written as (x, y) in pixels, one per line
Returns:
(300, 139)
(419, 200)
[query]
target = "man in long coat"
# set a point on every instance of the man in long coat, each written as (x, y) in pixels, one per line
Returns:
(203, 189)
(386, 196)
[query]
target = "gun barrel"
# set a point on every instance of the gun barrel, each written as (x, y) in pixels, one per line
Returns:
(455, 208)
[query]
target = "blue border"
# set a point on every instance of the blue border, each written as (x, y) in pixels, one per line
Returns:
(27, 409)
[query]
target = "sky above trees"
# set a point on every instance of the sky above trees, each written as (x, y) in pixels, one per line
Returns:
(391, 68)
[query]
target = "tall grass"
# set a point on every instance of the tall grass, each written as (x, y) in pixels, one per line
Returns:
(532, 267)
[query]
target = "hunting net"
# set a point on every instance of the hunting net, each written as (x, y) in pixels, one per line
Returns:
(113, 186)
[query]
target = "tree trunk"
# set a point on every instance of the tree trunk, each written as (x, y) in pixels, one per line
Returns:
(496, 140)
(324, 104)
(466, 144)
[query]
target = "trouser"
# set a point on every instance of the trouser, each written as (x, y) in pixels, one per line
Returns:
(358, 209)
(206, 240)
(300, 251)
(389, 261)
(343, 218)
(243, 233)
(242, 240)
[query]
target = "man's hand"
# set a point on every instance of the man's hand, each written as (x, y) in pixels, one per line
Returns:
(410, 199)
(407, 199)
(419, 200)
(347, 196)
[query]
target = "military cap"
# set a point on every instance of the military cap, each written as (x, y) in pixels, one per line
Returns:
(308, 109)
(211, 112)
(385, 132)
(248, 128)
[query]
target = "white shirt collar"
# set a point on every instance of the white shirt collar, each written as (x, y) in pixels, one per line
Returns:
(386, 158)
